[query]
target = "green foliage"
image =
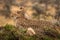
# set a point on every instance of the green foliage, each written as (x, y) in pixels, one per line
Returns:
(7, 35)
(47, 38)
(22, 30)
(52, 33)
(8, 27)
(9, 32)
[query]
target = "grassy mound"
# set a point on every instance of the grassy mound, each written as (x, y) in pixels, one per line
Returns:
(10, 32)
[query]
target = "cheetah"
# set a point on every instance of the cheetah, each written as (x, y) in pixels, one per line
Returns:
(37, 25)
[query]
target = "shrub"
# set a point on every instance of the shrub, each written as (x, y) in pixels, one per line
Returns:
(8, 27)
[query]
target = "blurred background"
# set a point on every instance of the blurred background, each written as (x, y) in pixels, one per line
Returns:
(46, 10)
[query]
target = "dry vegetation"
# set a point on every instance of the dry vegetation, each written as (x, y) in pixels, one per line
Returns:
(16, 16)
(10, 32)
